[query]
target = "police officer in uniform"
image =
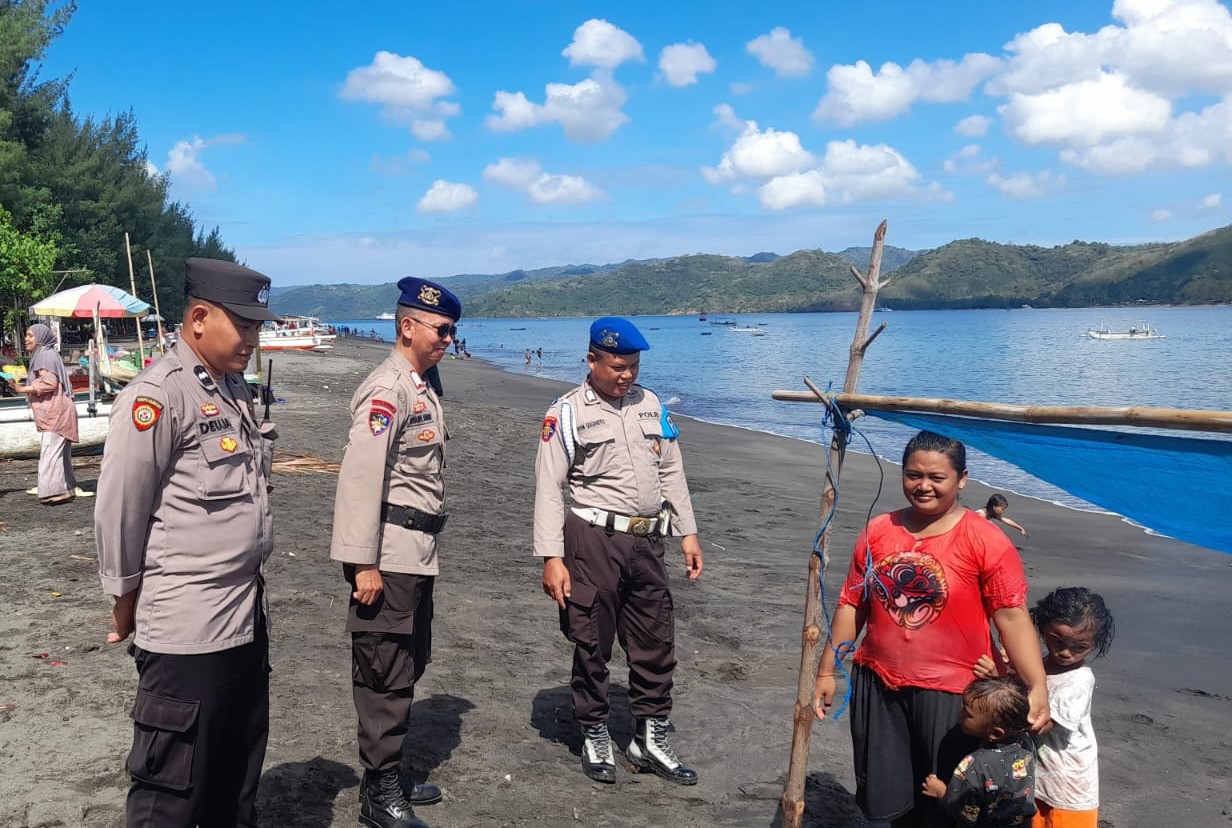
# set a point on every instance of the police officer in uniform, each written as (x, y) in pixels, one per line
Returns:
(183, 530)
(612, 445)
(389, 509)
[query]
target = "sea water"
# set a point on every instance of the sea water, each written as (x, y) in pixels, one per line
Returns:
(1023, 356)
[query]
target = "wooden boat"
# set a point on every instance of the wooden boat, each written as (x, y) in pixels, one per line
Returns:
(297, 333)
(19, 438)
(1139, 330)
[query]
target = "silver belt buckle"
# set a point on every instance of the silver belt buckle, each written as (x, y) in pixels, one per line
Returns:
(640, 526)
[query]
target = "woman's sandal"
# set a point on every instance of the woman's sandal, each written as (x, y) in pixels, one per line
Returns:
(60, 498)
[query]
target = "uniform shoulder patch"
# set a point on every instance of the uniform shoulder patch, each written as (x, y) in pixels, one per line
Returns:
(146, 411)
(380, 416)
(549, 429)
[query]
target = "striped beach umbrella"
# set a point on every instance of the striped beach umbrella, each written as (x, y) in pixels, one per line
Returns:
(82, 301)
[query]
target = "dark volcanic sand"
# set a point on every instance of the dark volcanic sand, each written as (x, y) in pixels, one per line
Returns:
(492, 724)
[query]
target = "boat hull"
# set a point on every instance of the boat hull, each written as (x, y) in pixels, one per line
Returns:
(19, 438)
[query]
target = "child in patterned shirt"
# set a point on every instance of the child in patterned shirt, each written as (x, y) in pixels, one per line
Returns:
(993, 786)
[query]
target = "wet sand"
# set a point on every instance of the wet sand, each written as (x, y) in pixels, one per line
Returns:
(492, 723)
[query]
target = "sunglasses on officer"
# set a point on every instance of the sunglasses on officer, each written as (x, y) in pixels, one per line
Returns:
(442, 330)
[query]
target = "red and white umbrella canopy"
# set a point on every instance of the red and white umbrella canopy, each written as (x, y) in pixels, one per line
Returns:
(82, 301)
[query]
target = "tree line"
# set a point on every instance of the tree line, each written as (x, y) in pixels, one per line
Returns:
(71, 186)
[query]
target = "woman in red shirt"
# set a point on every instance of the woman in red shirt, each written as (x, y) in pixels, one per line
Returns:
(923, 584)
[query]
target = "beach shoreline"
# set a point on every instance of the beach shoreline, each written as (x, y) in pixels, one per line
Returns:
(491, 723)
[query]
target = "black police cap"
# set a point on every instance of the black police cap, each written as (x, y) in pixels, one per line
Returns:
(239, 289)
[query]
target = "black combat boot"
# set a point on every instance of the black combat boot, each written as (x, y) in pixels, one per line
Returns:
(597, 761)
(649, 750)
(382, 803)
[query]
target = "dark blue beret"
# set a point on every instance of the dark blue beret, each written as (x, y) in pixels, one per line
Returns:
(429, 296)
(617, 336)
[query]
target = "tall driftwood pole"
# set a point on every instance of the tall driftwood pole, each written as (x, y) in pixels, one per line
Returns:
(792, 803)
(154, 289)
(132, 283)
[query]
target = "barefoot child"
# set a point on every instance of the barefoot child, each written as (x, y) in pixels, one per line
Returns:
(994, 785)
(1075, 625)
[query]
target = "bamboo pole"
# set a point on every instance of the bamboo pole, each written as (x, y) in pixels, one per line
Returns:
(154, 290)
(1137, 416)
(132, 282)
(792, 803)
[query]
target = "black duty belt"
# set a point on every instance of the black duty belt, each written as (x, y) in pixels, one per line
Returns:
(409, 518)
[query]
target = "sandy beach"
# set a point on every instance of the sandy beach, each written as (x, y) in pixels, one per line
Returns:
(492, 723)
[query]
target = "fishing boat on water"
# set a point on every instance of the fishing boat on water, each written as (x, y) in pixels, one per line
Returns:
(1139, 330)
(297, 333)
(385, 317)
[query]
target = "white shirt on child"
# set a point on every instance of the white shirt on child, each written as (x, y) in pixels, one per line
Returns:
(1067, 767)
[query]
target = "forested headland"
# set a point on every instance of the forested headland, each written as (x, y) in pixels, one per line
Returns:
(71, 186)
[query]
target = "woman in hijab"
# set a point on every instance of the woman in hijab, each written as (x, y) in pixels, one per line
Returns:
(55, 416)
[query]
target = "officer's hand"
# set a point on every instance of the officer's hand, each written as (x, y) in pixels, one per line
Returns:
(556, 583)
(692, 549)
(368, 584)
(123, 618)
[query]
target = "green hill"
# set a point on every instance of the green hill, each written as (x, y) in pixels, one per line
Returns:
(971, 273)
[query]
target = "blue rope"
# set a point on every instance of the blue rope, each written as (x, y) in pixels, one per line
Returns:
(836, 420)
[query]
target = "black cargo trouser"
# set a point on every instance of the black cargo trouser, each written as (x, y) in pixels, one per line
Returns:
(619, 590)
(391, 645)
(200, 724)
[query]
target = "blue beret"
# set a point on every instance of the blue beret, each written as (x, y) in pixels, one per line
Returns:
(429, 296)
(617, 336)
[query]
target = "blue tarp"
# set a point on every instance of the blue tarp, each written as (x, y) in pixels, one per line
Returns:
(1178, 486)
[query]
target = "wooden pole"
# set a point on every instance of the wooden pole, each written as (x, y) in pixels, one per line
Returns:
(792, 803)
(1140, 416)
(132, 282)
(154, 290)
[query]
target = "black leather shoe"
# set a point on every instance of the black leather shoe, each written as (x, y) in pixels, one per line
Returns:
(423, 794)
(650, 751)
(382, 803)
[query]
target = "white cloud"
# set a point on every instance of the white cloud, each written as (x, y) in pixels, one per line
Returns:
(447, 197)
(1161, 216)
(184, 160)
(785, 192)
(681, 63)
(409, 93)
(741, 88)
(1085, 114)
(589, 111)
(151, 169)
(781, 52)
(973, 126)
(786, 175)
(757, 154)
(727, 118)
(969, 161)
(1114, 102)
(598, 43)
(525, 175)
(856, 95)
(862, 172)
(1211, 201)
(1022, 185)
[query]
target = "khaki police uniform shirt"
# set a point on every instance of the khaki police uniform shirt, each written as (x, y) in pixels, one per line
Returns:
(622, 463)
(183, 508)
(395, 454)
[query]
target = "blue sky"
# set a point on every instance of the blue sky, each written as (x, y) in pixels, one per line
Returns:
(365, 142)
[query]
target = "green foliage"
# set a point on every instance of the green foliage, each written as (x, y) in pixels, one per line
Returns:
(26, 263)
(87, 180)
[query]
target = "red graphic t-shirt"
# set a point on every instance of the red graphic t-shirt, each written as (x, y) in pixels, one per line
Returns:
(929, 600)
